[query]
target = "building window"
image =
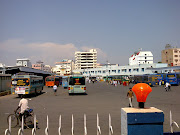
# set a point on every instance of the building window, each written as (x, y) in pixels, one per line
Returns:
(124, 70)
(118, 71)
(104, 71)
(145, 57)
(114, 71)
(142, 69)
(129, 70)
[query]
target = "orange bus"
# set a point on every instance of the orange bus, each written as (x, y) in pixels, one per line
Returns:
(52, 80)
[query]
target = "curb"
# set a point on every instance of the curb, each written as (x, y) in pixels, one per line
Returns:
(7, 92)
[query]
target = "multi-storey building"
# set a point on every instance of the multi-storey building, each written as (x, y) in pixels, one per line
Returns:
(40, 65)
(64, 67)
(141, 57)
(23, 62)
(171, 56)
(84, 60)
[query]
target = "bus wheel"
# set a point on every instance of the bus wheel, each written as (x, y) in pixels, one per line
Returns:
(19, 95)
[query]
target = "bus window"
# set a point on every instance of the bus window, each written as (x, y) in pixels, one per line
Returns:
(76, 81)
(20, 82)
(170, 76)
(49, 79)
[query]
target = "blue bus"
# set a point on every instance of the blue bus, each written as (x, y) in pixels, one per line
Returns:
(149, 79)
(152, 80)
(65, 82)
(172, 78)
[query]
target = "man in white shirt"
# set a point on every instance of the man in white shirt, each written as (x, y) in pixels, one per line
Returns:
(23, 104)
(55, 89)
(167, 86)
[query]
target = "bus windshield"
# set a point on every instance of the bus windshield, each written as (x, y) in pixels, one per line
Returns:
(65, 79)
(20, 82)
(76, 81)
(170, 76)
(50, 79)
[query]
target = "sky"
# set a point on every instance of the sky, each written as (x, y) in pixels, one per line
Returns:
(52, 30)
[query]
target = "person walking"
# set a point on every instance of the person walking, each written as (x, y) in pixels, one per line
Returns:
(167, 86)
(130, 95)
(55, 89)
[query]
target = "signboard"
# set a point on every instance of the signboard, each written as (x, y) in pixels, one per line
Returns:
(20, 90)
(77, 81)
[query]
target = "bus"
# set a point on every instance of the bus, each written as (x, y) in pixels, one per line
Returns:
(160, 78)
(26, 84)
(65, 82)
(76, 84)
(148, 79)
(172, 78)
(140, 79)
(52, 80)
(152, 80)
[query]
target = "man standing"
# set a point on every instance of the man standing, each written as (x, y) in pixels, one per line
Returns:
(130, 95)
(55, 89)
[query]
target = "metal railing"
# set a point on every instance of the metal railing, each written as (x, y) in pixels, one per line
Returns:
(21, 130)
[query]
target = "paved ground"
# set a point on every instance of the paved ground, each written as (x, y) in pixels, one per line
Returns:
(101, 98)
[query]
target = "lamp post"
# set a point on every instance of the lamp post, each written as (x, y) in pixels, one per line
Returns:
(141, 91)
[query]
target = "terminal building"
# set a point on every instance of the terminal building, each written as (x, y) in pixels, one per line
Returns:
(140, 63)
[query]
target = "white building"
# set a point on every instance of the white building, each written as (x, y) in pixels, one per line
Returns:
(64, 67)
(23, 62)
(141, 57)
(84, 60)
(113, 70)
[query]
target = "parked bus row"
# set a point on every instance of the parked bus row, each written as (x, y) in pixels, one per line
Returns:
(158, 79)
(74, 83)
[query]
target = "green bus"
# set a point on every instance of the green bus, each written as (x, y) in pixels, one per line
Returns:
(26, 84)
(76, 84)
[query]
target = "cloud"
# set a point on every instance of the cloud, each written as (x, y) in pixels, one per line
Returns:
(47, 52)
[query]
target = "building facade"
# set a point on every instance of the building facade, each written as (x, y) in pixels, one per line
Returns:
(113, 70)
(64, 67)
(171, 56)
(40, 66)
(85, 60)
(141, 57)
(23, 62)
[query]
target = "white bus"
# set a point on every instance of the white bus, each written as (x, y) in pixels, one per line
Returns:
(76, 84)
